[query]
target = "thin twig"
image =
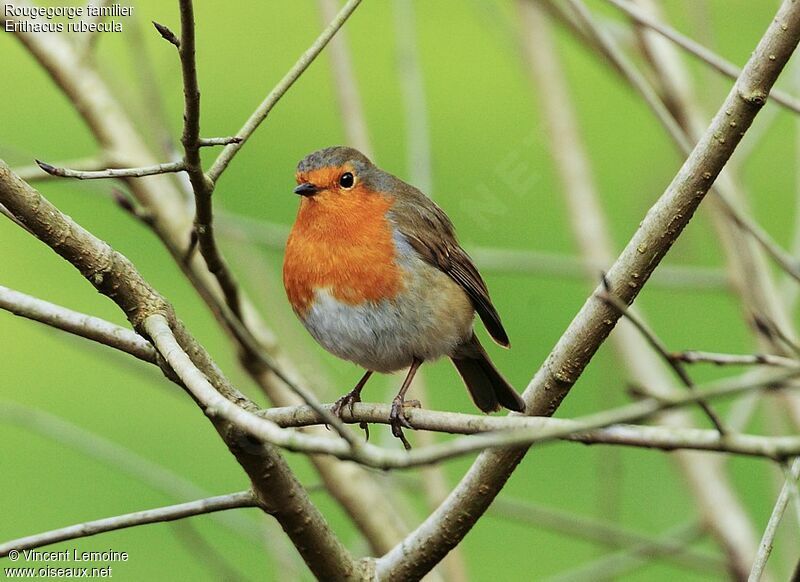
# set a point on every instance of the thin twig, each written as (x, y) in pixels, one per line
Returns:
(161, 514)
(97, 447)
(167, 168)
(696, 49)
(603, 533)
(35, 173)
(610, 567)
(219, 141)
(261, 112)
(345, 82)
(202, 185)
(694, 357)
(418, 145)
(661, 350)
(767, 540)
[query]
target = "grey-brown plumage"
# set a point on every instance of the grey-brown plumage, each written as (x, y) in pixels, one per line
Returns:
(375, 273)
(431, 234)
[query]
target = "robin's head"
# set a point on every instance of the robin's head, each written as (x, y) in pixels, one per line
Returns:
(337, 171)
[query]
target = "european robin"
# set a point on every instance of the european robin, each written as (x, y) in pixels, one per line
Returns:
(375, 273)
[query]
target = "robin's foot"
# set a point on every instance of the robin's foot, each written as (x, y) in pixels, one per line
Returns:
(398, 420)
(349, 400)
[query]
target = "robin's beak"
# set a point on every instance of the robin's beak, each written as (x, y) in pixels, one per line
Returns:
(306, 189)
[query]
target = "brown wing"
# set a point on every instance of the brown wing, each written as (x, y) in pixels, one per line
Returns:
(430, 232)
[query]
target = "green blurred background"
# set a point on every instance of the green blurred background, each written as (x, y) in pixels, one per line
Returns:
(485, 130)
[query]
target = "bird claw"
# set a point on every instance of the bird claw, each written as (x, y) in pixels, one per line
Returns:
(398, 420)
(349, 400)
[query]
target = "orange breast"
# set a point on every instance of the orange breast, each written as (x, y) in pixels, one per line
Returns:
(341, 241)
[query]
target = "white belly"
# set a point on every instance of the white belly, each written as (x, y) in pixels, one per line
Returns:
(427, 320)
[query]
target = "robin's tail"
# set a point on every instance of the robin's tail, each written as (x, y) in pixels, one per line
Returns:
(488, 388)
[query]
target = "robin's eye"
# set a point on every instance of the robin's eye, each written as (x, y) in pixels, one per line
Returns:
(346, 180)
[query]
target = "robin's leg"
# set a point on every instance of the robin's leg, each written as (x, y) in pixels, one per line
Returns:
(397, 417)
(351, 398)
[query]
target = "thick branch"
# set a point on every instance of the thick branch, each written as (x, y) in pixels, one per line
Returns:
(723, 513)
(80, 324)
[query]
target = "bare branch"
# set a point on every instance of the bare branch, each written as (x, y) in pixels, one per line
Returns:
(99, 448)
(216, 406)
(657, 232)
(662, 350)
(260, 114)
(748, 268)
(86, 41)
(696, 49)
(202, 185)
(539, 429)
(682, 138)
(219, 141)
(161, 514)
(418, 146)
(345, 82)
(80, 324)
(602, 533)
(618, 564)
(765, 547)
(694, 357)
(262, 428)
(170, 167)
(35, 173)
